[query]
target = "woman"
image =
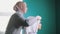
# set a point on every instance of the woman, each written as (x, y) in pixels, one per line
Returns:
(17, 20)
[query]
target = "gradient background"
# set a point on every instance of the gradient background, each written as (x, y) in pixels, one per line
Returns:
(46, 9)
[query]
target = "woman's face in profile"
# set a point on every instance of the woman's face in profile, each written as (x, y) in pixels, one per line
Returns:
(23, 7)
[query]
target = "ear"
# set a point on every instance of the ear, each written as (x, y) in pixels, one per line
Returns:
(17, 7)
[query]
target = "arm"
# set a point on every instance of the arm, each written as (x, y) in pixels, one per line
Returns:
(23, 21)
(19, 21)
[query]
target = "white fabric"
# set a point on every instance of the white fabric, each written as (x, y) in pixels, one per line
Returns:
(32, 28)
(18, 31)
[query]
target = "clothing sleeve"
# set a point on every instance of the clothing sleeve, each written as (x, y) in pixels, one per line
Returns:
(23, 21)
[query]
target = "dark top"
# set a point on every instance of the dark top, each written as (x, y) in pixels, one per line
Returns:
(14, 23)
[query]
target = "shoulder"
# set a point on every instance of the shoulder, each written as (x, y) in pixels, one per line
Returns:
(14, 15)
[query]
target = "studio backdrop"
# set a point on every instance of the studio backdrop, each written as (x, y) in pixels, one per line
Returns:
(45, 9)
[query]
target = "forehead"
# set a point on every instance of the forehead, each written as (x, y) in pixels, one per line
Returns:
(22, 4)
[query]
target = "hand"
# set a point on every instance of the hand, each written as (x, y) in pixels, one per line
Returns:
(38, 17)
(39, 26)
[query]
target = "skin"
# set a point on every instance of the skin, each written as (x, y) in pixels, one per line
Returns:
(22, 7)
(39, 26)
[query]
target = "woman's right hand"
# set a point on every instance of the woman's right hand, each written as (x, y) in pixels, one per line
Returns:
(38, 17)
(39, 26)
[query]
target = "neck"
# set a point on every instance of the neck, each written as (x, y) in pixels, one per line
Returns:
(20, 12)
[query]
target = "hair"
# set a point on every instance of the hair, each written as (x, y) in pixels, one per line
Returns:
(17, 4)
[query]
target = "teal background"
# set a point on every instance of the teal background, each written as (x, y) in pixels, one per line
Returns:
(46, 9)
